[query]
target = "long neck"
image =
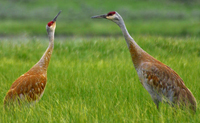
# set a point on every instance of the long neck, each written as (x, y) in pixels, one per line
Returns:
(135, 50)
(43, 63)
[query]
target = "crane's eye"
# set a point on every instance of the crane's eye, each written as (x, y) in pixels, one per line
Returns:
(111, 13)
(50, 23)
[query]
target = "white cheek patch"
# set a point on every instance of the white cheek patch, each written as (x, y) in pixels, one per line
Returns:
(110, 17)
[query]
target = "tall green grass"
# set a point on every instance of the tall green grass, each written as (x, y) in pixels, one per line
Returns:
(93, 79)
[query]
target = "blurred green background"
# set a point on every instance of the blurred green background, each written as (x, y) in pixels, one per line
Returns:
(158, 17)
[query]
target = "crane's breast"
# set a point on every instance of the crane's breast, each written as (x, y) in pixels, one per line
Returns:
(27, 87)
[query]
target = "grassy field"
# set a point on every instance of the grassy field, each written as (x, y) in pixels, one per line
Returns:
(93, 79)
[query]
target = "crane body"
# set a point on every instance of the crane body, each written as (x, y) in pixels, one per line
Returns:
(162, 83)
(30, 86)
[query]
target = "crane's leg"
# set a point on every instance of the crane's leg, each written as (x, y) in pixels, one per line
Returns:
(156, 101)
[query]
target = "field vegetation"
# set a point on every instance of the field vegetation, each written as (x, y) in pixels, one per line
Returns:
(161, 17)
(91, 77)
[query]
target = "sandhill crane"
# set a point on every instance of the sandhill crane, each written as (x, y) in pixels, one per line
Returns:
(31, 85)
(162, 83)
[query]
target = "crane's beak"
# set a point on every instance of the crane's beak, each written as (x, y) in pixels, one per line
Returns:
(54, 20)
(99, 16)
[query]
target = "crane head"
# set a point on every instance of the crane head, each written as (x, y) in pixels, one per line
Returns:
(113, 16)
(110, 15)
(52, 24)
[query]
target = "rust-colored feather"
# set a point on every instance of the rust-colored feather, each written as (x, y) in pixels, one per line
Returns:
(26, 87)
(165, 85)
